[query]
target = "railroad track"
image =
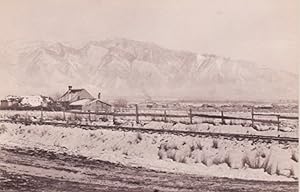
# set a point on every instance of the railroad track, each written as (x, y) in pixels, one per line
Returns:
(230, 136)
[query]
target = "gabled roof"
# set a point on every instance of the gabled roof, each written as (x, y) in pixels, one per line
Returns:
(98, 100)
(71, 91)
(82, 102)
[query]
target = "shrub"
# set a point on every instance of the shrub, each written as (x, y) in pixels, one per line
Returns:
(197, 155)
(15, 117)
(2, 129)
(197, 145)
(58, 117)
(162, 154)
(138, 138)
(77, 118)
(171, 154)
(209, 122)
(120, 103)
(215, 144)
(295, 154)
(104, 119)
(180, 157)
(236, 159)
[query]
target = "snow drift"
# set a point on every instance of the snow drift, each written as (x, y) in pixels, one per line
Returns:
(204, 156)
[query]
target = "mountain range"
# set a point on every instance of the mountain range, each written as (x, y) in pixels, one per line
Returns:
(135, 69)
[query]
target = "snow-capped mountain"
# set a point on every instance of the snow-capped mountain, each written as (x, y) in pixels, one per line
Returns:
(122, 67)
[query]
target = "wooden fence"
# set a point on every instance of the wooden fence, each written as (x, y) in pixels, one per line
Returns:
(189, 116)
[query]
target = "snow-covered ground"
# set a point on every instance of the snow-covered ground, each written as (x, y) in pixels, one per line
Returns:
(165, 152)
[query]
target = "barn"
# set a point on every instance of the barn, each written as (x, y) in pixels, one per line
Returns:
(10, 102)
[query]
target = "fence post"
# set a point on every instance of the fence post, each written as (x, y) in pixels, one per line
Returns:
(64, 114)
(113, 116)
(165, 116)
(42, 114)
(136, 113)
(89, 115)
(278, 121)
(222, 117)
(191, 116)
(252, 116)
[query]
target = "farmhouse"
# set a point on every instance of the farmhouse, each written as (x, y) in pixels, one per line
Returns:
(74, 95)
(80, 99)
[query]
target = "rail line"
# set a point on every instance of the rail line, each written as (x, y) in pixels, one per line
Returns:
(229, 136)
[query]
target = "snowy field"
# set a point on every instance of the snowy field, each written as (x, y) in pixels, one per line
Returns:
(163, 152)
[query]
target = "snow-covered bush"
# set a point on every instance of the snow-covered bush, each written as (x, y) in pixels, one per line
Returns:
(235, 159)
(2, 129)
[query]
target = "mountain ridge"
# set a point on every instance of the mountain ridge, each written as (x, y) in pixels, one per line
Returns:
(121, 67)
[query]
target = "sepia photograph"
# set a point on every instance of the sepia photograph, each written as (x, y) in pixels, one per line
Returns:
(149, 96)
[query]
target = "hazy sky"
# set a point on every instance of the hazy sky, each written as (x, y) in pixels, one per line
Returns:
(263, 31)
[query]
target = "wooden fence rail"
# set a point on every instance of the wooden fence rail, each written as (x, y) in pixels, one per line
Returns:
(288, 117)
(190, 116)
(276, 115)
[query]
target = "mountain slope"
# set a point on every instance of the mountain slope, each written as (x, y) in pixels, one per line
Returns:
(122, 67)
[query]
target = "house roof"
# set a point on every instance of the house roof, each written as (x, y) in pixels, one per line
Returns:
(71, 91)
(80, 102)
(98, 100)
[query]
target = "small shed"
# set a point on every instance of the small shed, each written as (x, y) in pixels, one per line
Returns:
(93, 105)
(78, 105)
(96, 105)
(10, 101)
(4, 104)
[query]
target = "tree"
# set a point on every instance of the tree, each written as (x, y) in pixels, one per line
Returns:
(120, 103)
(55, 96)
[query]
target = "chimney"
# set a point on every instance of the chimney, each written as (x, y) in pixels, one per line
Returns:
(99, 95)
(70, 87)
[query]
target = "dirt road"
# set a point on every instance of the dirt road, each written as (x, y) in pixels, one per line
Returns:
(37, 170)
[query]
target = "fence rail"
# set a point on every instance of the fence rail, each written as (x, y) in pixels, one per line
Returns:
(190, 115)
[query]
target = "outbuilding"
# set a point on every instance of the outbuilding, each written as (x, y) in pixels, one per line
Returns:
(92, 105)
(97, 105)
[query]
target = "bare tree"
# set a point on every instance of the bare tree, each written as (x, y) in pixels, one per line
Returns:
(120, 103)
(55, 96)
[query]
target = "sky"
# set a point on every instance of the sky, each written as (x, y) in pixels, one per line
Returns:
(262, 31)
